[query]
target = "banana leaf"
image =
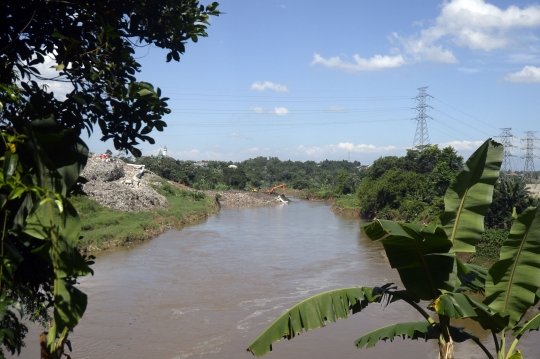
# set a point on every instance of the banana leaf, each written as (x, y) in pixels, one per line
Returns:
(531, 324)
(420, 255)
(472, 277)
(469, 196)
(314, 312)
(513, 281)
(409, 330)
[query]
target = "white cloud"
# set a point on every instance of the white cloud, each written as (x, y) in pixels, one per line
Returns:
(376, 63)
(47, 70)
(267, 85)
(482, 26)
(344, 147)
(528, 74)
(422, 50)
(475, 24)
(337, 108)
(253, 149)
(279, 111)
(238, 135)
(462, 145)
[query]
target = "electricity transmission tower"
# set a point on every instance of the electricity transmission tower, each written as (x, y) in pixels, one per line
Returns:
(506, 140)
(421, 136)
(529, 174)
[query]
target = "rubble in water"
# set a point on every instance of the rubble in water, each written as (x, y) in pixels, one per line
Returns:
(111, 185)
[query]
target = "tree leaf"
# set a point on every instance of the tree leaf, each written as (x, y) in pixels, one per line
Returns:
(469, 196)
(10, 164)
(513, 281)
(314, 312)
(420, 255)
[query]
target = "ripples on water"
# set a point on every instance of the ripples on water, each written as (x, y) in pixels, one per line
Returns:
(209, 290)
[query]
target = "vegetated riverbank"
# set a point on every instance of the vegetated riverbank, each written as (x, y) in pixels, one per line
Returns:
(104, 228)
(127, 204)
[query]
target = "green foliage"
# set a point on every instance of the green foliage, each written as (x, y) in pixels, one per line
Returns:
(91, 44)
(260, 171)
(425, 258)
(489, 246)
(507, 197)
(408, 188)
(314, 312)
(104, 227)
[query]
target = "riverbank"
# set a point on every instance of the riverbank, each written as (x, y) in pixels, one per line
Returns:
(347, 205)
(105, 228)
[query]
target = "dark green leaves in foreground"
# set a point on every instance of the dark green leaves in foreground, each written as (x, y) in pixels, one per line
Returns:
(469, 196)
(419, 253)
(513, 281)
(314, 312)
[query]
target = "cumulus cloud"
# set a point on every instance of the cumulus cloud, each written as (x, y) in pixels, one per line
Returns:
(344, 147)
(475, 24)
(528, 74)
(279, 111)
(422, 50)
(47, 70)
(482, 26)
(267, 85)
(376, 63)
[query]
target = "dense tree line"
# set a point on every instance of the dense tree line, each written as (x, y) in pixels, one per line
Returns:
(260, 171)
(409, 188)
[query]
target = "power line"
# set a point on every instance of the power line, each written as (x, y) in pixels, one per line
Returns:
(529, 174)
(421, 136)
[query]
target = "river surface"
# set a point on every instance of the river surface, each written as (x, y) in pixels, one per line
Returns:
(209, 290)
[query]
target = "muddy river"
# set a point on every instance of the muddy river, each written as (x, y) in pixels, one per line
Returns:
(209, 290)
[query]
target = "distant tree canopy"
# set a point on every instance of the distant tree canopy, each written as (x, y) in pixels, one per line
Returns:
(260, 171)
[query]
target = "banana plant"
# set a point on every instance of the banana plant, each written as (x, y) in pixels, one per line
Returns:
(425, 258)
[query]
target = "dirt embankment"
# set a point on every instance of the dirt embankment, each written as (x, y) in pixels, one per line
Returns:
(235, 199)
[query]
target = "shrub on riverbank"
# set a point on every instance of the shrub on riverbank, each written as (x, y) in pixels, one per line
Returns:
(104, 228)
(318, 194)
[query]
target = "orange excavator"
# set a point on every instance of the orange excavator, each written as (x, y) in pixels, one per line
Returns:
(276, 187)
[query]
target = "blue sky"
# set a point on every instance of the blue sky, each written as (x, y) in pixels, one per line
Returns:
(314, 80)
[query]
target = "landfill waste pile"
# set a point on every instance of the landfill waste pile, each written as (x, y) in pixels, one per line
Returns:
(113, 183)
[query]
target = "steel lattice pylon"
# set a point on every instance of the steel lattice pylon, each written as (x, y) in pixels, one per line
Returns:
(421, 136)
(529, 174)
(506, 140)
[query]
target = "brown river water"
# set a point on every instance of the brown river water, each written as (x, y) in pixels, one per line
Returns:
(209, 290)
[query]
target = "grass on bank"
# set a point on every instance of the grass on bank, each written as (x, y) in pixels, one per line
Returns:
(317, 194)
(104, 228)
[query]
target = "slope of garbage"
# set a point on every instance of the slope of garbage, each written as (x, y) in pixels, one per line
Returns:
(118, 185)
